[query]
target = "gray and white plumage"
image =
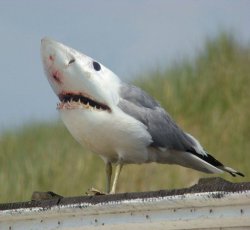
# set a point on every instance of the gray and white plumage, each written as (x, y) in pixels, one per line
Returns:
(163, 130)
(118, 121)
(167, 136)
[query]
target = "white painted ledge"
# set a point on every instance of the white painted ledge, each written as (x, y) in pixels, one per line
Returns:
(219, 205)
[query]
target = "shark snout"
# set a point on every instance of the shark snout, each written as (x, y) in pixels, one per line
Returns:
(46, 40)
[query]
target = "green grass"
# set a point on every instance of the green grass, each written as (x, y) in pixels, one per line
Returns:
(209, 97)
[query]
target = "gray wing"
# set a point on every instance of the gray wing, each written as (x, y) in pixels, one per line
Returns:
(164, 131)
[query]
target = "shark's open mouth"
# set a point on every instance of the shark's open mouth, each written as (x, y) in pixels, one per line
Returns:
(80, 101)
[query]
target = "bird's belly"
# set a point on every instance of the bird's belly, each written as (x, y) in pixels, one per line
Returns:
(113, 135)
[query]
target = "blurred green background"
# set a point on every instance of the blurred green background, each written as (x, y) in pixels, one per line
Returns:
(208, 97)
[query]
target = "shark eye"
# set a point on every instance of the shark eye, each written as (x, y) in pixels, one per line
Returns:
(71, 61)
(96, 66)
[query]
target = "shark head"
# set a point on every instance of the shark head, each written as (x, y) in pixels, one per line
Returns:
(79, 81)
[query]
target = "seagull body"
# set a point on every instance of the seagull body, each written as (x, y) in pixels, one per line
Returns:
(118, 121)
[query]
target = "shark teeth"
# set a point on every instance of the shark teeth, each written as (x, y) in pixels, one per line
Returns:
(74, 105)
(79, 101)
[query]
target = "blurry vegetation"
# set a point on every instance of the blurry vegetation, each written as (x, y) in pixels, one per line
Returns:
(209, 97)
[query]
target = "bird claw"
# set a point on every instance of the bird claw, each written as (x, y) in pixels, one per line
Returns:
(95, 192)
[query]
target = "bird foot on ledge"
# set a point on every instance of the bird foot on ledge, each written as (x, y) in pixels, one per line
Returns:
(95, 192)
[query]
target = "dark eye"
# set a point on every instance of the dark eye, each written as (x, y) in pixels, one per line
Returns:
(71, 61)
(96, 66)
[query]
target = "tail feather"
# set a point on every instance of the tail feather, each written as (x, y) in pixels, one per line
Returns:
(233, 172)
(212, 161)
